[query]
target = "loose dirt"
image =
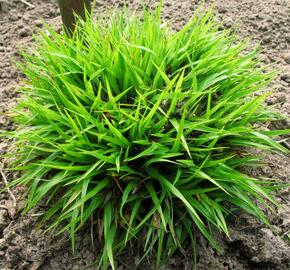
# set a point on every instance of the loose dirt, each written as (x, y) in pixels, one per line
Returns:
(252, 245)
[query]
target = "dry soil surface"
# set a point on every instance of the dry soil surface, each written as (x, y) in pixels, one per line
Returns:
(252, 245)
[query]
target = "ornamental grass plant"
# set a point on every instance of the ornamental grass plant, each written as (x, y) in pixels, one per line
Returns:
(143, 130)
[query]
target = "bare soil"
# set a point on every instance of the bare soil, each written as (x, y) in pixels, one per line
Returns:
(252, 244)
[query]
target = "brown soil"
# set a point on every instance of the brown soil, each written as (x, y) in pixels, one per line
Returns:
(252, 245)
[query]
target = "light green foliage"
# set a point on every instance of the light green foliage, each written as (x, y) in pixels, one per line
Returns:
(143, 130)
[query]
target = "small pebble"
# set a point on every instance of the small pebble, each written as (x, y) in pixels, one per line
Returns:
(287, 58)
(25, 17)
(252, 17)
(286, 77)
(222, 10)
(287, 37)
(263, 27)
(38, 23)
(228, 22)
(279, 98)
(14, 17)
(266, 39)
(24, 32)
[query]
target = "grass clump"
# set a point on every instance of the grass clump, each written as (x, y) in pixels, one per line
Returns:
(144, 130)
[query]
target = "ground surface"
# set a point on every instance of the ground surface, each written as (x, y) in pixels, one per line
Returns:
(252, 245)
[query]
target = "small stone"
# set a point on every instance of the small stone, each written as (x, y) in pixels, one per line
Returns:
(228, 23)
(263, 27)
(24, 32)
(266, 39)
(38, 23)
(279, 98)
(283, 46)
(287, 58)
(254, 24)
(282, 98)
(167, 16)
(286, 77)
(252, 17)
(222, 10)
(14, 17)
(25, 18)
(287, 37)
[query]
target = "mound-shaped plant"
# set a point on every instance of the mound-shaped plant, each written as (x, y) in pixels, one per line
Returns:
(143, 130)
